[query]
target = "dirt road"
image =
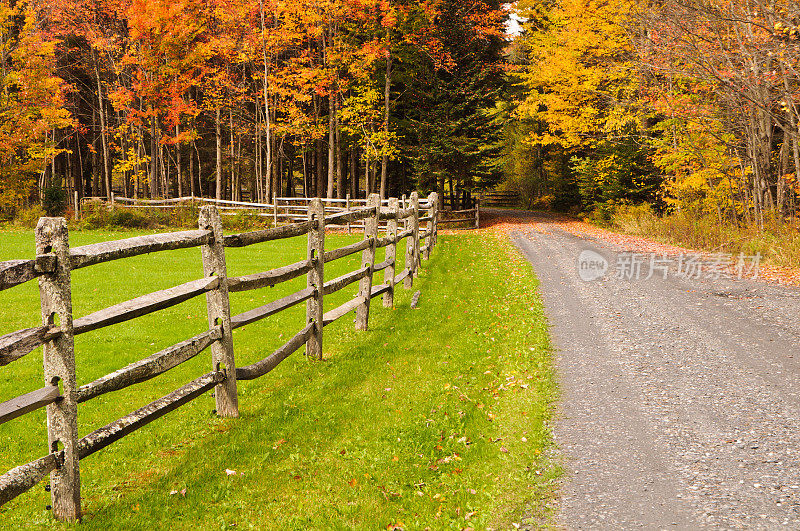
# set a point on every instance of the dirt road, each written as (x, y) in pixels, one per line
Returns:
(680, 396)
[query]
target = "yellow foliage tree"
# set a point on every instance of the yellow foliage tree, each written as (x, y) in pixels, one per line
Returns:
(582, 79)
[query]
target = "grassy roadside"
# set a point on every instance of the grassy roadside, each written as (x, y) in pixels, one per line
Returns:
(777, 243)
(436, 417)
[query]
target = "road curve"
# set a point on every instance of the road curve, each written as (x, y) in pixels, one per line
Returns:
(680, 397)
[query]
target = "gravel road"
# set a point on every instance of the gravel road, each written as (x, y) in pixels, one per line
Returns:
(680, 397)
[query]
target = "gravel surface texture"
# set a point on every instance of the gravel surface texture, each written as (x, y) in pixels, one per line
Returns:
(680, 397)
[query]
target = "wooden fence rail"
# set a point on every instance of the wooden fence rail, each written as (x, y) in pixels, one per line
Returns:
(53, 265)
(349, 213)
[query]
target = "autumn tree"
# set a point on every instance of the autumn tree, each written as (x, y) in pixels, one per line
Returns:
(32, 109)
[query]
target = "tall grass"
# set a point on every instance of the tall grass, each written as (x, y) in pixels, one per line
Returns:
(778, 242)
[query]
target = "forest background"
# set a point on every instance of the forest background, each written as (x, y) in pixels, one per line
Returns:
(246, 100)
(677, 117)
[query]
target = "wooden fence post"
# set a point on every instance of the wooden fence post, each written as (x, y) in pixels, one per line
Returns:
(408, 223)
(415, 227)
(436, 208)
(59, 368)
(275, 209)
(432, 215)
(349, 225)
(391, 252)
(368, 260)
(316, 276)
(219, 313)
(477, 212)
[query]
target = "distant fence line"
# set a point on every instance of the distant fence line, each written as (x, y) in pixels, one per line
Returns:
(501, 199)
(282, 209)
(53, 265)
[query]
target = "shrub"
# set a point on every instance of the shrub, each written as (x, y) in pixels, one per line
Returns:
(243, 220)
(54, 200)
(28, 217)
(116, 218)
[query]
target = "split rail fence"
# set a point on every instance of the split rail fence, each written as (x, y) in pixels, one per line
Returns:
(53, 265)
(283, 209)
(502, 199)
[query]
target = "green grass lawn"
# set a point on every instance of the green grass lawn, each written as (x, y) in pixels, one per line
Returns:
(436, 417)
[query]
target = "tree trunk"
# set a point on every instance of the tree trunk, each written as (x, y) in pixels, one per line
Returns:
(219, 155)
(259, 183)
(95, 170)
(386, 95)
(153, 159)
(331, 145)
(354, 188)
(191, 171)
(178, 165)
(267, 122)
(199, 169)
(101, 110)
(234, 184)
(339, 161)
(319, 189)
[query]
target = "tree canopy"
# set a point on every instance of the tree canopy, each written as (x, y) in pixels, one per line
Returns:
(247, 100)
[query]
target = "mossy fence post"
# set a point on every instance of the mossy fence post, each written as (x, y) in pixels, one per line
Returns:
(315, 276)
(391, 252)
(55, 290)
(219, 312)
(368, 260)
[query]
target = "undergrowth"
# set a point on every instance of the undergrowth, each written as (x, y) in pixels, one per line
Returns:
(778, 242)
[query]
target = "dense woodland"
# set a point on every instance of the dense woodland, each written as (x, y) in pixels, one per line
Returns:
(689, 105)
(247, 100)
(685, 105)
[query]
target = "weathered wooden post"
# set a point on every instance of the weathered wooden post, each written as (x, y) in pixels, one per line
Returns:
(477, 212)
(55, 292)
(349, 226)
(219, 312)
(368, 260)
(408, 223)
(391, 252)
(275, 209)
(430, 214)
(436, 210)
(415, 237)
(316, 276)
